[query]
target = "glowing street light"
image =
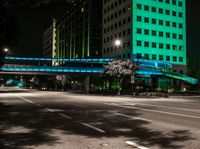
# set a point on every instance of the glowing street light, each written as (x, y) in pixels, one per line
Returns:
(118, 42)
(56, 64)
(5, 50)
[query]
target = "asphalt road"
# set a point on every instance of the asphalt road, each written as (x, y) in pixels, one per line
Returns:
(32, 119)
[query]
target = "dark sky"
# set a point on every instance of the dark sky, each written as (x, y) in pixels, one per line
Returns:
(193, 27)
(34, 21)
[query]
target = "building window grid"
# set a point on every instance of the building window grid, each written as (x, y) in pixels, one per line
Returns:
(160, 23)
(161, 10)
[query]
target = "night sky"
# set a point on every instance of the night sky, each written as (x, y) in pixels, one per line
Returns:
(33, 21)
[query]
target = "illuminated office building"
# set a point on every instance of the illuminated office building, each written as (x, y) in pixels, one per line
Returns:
(149, 29)
(79, 33)
(49, 40)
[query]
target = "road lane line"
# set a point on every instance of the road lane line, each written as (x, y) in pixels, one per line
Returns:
(38, 105)
(132, 117)
(156, 111)
(136, 145)
(26, 100)
(50, 110)
(29, 101)
(191, 110)
(92, 127)
(65, 116)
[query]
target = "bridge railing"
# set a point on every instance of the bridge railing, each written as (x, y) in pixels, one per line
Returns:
(51, 69)
(87, 60)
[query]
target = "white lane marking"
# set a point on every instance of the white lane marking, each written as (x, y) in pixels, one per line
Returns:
(50, 110)
(157, 111)
(191, 110)
(92, 127)
(132, 117)
(38, 105)
(26, 100)
(136, 145)
(29, 101)
(65, 116)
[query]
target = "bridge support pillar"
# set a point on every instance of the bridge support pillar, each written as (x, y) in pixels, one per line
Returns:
(154, 82)
(87, 84)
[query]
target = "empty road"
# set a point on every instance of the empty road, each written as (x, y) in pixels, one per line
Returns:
(31, 119)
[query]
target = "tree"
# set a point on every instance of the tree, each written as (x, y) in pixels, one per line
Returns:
(121, 69)
(61, 79)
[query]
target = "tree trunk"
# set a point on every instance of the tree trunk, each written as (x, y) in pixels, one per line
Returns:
(120, 86)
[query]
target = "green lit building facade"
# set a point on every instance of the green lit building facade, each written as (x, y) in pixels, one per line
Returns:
(158, 30)
(79, 33)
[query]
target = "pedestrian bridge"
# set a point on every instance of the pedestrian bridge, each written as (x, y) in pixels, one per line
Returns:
(147, 67)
